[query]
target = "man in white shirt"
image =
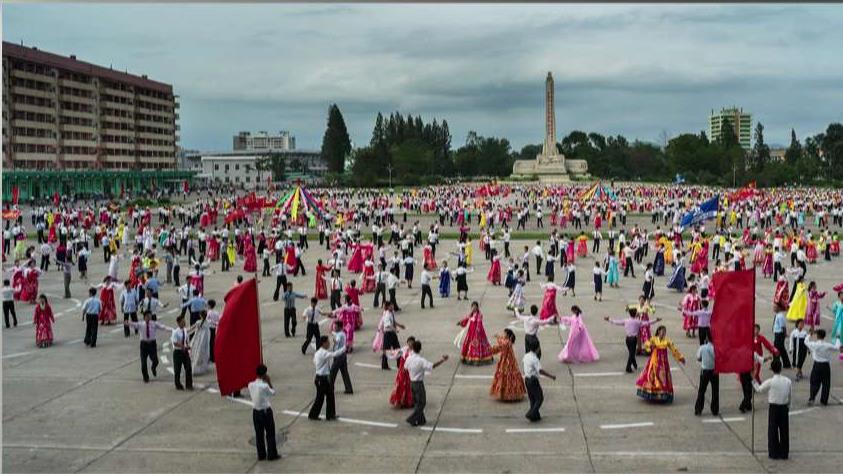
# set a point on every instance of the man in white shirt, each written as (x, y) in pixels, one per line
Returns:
(260, 390)
(148, 341)
(417, 366)
(426, 278)
(532, 370)
(531, 328)
(537, 252)
(322, 362)
(822, 352)
(779, 386)
(181, 355)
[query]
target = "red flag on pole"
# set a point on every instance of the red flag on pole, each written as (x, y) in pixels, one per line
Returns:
(237, 349)
(56, 198)
(185, 186)
(15, 195)
(732, 322)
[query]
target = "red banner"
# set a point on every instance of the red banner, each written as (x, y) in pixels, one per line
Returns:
(732, 322)
(15, 195)
(237, 349)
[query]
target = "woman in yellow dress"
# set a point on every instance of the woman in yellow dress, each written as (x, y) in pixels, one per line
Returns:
(469, 251)
(482, 219)
(655, 384)
(799, 302)
(668, 250)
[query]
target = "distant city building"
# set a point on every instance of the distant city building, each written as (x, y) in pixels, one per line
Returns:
(777, 154)
(740, 121)
(190, 160)
(60, 113)
(240, 168)
(263, 141)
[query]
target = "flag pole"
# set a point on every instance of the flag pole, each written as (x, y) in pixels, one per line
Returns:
(258, 298)
(753, 421)
(753, 364)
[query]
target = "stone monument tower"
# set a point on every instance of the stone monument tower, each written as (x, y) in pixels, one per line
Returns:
(550, 164)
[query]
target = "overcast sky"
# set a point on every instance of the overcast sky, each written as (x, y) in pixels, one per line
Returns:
(619, 69)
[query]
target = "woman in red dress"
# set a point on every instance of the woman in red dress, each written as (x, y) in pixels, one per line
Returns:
(251, 263)
(428, 257)
(494, 275)
(402, 394)
(368, 284)
(29, 286)
(472, 341)
(353, 293)
(355, 263)
(43, 321)
(321, 290)
(108, 314)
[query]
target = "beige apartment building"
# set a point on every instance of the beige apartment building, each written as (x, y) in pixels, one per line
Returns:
(60, 113)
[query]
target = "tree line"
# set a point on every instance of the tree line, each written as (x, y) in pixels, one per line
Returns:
(404, 149)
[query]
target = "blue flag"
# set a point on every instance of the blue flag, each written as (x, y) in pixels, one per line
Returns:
(703, 212)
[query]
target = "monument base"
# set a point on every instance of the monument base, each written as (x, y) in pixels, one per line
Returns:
(559, 172)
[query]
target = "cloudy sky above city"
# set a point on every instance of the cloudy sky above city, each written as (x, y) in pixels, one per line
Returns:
(640, 71)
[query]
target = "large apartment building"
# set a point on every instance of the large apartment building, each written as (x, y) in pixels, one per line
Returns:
(737, 119)
(264, 142)
(60, 113)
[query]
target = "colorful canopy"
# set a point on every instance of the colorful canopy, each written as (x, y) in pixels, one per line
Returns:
(597, 191)
(298, 201)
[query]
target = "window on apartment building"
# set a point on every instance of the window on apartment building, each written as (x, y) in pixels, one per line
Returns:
(237, 167)
(216, 167)
(226, 168)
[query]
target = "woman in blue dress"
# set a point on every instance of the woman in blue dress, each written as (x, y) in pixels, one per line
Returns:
(677, 280)
(658, 261)
(612, 273)
(444, 280)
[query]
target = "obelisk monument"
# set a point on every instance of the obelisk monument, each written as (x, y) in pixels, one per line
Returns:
(550, 165)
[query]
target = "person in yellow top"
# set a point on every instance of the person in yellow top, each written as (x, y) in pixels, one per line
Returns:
(482, 219)
(799, 302)
(668, 250)
(469, 251)
(655, 384)
(340, 219)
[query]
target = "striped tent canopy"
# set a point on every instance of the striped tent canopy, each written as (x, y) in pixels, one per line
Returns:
(597, 191)
(299, 202)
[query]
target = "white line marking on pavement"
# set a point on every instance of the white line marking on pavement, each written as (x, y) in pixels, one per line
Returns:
(324, 321)
(724, 420)
(19, 354)
(369, 423)
(295, 413)
(164, 359)
(212, 390)
(115, 330)
(170, 370)
(669, 453)
(804, 410)
(598, 374)
(368, 366)
(240, 400)
(75, 341)
(165, 350)
(452, 430)
(461, 376)
(173, 311)
(627, 425)
(535, 430)
(165, 345)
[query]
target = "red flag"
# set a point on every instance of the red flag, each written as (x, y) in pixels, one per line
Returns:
(56, 198)
(15, 195)
(237, 349)
(732, 322)
(185, 186)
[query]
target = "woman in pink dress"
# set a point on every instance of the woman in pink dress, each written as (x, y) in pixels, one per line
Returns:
(579, 348)
(250, 265)
(349, 314)
(690, 303)
(473, 343)
(569, 252)
(428, 258)
(355, 263)
(767, 267)
(494, 275)
(43, 321)
(108, 314)
(812, 313)
(353, 292)
(29, 285)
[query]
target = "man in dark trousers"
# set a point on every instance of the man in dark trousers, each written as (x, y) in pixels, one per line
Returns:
(705, 354)
(311, 315)
(417, 365)
(290, 310)
(181, 355)
(822, 352)
(261, 390)
(322, 362)
(90, 314)
(532, 370)
(380, 286)
(340, 364)
(148, 341)
(778, 429)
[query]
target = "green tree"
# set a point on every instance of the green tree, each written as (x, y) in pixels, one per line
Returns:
(412, 158)
(794, 151)
(832, 149)
(760, 151)
(336, 144)
(275, 163)
(367, 165)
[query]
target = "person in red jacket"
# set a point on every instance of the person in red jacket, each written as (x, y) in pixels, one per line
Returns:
(759, 343)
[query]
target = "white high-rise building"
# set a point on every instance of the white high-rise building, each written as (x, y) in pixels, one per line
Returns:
(264, 142)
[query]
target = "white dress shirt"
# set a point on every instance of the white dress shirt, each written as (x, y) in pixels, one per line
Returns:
(417, 366)
(532, 323)
(260, 392)
(779, 387)
(822, 351)
(147, 330)
(323, 359)
(532, 366)
(179, 336)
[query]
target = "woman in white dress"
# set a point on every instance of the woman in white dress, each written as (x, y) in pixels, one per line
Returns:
(200, 345)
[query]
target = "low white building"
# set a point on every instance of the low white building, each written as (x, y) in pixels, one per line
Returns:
(238, 169)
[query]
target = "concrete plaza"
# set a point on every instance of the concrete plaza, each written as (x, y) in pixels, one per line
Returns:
(71, 408)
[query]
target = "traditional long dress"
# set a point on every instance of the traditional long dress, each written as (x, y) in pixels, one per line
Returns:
(690, 303)
(250, 265)
(445, 282)
(29, 287)
(494, 275)
(428, 258)
(355, 263)
(655, 383)
(43, 321)
(767, 266)
(474, 347)
(368, 283)
(812, 312)
(108, 313)
(402, 394)
(582, 246)
(658, 262)
(677, 279)
(321, 290)
(200, 347)
(612, 274)
(548, 309)
(213, 249)
(349, 315)
(197, 280)
(578, 348)
(799, 303)
(17, 283)
(516, 299)
(507, 384)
